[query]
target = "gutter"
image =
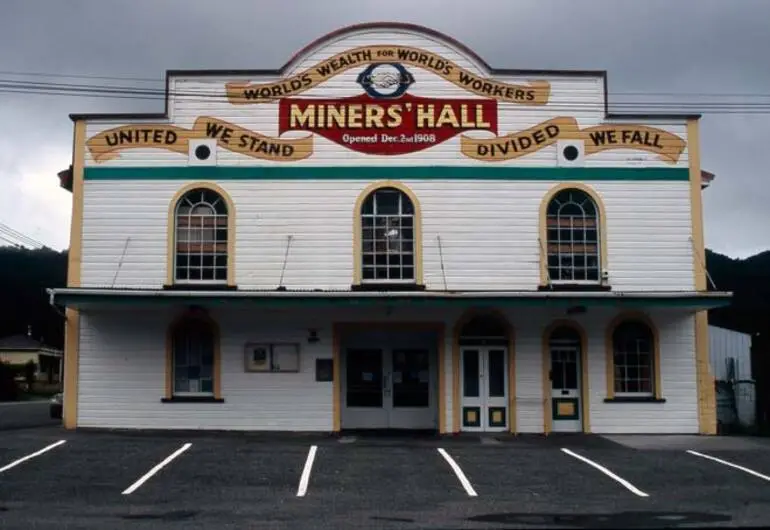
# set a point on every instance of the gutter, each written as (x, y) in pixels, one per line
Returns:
(117, 293)
(52, 302)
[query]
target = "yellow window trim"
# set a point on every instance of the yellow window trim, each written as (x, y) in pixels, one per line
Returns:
(466, 317)
(585, 405)
(171, 229)
(217, 371)
(74, 260)
(543, 236)
(632, 316)
(357, 260)
(339, 329)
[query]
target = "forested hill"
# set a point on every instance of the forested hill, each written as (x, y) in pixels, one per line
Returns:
(25, 275)
(749, 280)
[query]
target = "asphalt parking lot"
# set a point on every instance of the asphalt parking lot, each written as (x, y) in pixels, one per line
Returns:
(51, 478)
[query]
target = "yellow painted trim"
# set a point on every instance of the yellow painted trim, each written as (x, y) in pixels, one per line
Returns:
(441, 381)
(336, 379)
(74, 262)
(171, 232)
(341, 328)
(511, 336)
(610, 357)
(418, 271)
(585, 405)
(707, 414)
(543, 234)
(217, 375)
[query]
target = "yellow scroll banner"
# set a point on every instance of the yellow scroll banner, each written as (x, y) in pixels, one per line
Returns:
(667, 146)
(532, 94)
(108, 144)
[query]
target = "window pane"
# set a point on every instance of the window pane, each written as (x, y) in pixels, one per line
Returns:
(496, 373)
(193, 356)
(201, 235)
(206, 385)
(180, 385)
(632, 344)
(386, 202)
(387, 236)
(571, 237)
(471, 373)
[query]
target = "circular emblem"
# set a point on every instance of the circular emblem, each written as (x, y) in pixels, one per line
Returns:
(385, 80)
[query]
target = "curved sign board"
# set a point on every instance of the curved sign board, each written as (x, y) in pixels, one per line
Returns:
(385, 118)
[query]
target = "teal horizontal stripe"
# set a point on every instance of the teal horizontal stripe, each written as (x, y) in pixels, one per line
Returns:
(370, 173)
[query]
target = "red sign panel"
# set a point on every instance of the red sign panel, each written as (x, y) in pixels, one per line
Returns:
(387, 126)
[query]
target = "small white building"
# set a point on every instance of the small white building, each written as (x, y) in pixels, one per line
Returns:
(388, 233)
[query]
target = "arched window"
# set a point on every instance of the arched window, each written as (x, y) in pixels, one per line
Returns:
(573, 238)
(388, 237)
(193, 357)
(201, 237)
(633, 358)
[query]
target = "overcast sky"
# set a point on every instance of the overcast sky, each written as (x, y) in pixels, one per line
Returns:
(687, 47)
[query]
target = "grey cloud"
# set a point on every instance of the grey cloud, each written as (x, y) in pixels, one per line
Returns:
(691, 46)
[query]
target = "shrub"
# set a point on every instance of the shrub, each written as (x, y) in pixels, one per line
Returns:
(9, 391)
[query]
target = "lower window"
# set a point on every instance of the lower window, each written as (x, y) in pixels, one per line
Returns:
(633, 358)
(193, 359)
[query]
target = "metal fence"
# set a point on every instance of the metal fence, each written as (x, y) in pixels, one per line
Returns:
(736, 401)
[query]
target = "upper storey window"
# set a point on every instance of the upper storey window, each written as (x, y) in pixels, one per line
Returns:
(573, 238)
(388, 237)
(201, 237)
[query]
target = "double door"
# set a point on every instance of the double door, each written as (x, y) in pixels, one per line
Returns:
(484, 388)
(389, 388)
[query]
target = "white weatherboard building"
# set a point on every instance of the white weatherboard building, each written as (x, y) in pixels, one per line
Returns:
(387, 233)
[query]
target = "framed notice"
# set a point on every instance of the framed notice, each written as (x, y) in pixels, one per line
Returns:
(271, 357)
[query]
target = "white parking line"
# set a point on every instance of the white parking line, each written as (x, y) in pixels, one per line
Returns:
(133, 487)
(630, 487)
(305, 477)
(725, 462)
(459, 472)
(30, 456)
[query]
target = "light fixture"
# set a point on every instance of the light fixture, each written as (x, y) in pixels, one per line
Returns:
(312, 336)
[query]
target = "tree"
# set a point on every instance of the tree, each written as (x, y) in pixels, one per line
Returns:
(8, 389)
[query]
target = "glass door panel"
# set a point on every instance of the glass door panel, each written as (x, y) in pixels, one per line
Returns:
(410, 378)
(496, 414)
(364, 378)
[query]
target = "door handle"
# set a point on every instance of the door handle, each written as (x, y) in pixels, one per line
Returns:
(565, 392)
(386, 384)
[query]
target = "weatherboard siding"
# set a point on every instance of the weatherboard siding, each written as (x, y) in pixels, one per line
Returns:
(679, 414)
(122, 372)
(581, 97)
(123, 366)
(488, 231)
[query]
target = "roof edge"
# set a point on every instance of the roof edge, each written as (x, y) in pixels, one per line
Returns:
(166, 293)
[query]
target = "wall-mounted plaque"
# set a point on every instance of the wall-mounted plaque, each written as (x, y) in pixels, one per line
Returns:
(271, 357)
(324, 370)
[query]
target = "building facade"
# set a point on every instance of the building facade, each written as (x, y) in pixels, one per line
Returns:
(387, 233)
